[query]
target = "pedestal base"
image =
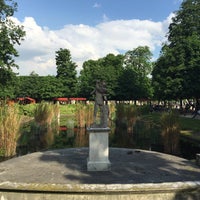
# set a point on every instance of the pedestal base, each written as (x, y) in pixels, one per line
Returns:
(98, 166)
(98, 150)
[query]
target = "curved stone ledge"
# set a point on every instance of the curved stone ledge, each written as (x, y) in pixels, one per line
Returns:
(170, 187)
(135, 174)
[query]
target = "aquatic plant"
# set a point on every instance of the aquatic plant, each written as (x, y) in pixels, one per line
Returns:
(9, 129)
(170, 126)
(46, 123)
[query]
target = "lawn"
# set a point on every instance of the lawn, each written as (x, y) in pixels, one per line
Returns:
(189, 127)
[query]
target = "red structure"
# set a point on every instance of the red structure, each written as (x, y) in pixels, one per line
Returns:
(64, 100)
(61, 100)
(26, 100)
(77, 99)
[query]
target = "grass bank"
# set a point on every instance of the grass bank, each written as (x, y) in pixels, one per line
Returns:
(188, 127)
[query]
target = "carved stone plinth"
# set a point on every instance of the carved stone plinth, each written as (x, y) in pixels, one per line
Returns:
(98, 159)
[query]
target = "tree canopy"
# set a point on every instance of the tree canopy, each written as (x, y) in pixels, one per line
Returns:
(126, 75)
(38, 87)
(134, 81)
(10, 35)
(176, 73)
(107, 68)
(66, 71)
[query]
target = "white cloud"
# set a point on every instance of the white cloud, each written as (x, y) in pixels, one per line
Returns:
(37, 52)
(178, 1)
(96, 5)
(105, 18)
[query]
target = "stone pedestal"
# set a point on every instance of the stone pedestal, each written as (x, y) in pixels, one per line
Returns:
(98, 159)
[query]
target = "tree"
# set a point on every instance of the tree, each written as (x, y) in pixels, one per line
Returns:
(87, 78)
(167, 84)
(7, 83)
(39, 87)
(181, 58)
(139, 59)
(50, 87)
(66, 72)
(107, 68)
(111, 67)
(28, 86)
(10, 35)
(134, 81)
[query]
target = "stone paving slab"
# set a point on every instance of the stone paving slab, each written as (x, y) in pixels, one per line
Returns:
(69, 166)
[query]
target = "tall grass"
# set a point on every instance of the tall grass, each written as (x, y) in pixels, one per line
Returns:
(46, 123)
(126, 116)
(9, 130)
(146, 134)
(84, 115)
(170, 126)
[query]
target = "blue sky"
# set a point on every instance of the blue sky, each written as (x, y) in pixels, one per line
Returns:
(89, 29)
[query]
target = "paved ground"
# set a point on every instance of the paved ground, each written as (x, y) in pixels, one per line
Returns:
(69, 166)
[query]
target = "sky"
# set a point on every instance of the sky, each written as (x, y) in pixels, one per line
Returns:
(90, 29)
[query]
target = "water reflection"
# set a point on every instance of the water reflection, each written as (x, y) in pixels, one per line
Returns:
(148, 137)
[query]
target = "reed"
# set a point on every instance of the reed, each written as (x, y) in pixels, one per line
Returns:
(84, 115)
(46, 123)
(90, 114)
(80, 115)
(170, 132)
(126, 116)
(9, 130)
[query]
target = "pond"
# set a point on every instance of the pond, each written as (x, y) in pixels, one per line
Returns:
(69, 137)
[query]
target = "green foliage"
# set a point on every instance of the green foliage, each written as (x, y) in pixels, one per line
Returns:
(7, 83)
(133, 86)
(66, 72)
(39, 87)
(134, 82)
(139, 59)
(107, 68)
(167, 80)
(87, 79)
(177, 73)
(27, 110)
(10, 34)
(126, 76)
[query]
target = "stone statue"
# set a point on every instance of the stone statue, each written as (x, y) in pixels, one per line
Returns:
(101, 103)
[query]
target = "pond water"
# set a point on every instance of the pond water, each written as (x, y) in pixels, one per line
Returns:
(69, 137)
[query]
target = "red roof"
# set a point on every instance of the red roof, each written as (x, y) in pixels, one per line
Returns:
(61, 99)
(78, 98)
(26, 98)
(71, 99)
